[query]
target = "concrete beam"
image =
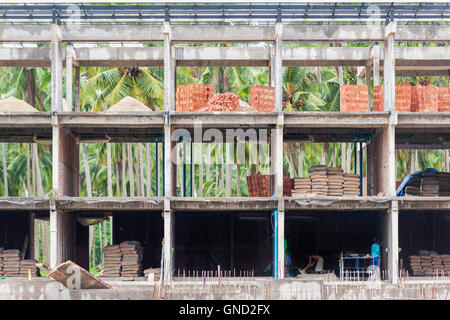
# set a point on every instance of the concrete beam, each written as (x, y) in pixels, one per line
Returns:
(222, 56)
(325, 56)
(111, 119)
(332, 33)
(67, 204)
(223, 33)
(393, 243)
(231, 204)
(411, 203)
(224, 119)
(337, 204)
(124, 57)
(25, 57)
(22, 203)
(199, 33)
(336, 119)
(106, 33)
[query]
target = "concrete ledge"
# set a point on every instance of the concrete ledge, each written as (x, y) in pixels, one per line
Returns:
(223, 204)
(423, 119)
(336, 119)
(337, 204)
(224, 119)
(411, 203)
(106, 204)
(23, 203)
(19, 120)
(111, 119)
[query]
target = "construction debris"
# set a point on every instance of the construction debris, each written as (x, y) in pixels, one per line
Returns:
(72, 276)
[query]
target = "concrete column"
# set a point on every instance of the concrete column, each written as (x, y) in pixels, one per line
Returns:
(359, 79)
(393, 259)
(169, 244)
(389, 67)
(169, 188)
(69, 84)
(56, 68)
(65, 182)
(281, 253)
(77, 89)
(446, 160)
(376, 64)
(168, 81)
(368, 73)
(272, 72)
(278, 65)
(276, 166)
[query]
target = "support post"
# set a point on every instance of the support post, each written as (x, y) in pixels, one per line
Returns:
(65, 159)
(393, 243)
(281, 254)
(376, 64)
(389, 102)
(389, 67)
(446, 160)
(77, 89)
(69, 83)
(56, 68)
(278, 64)
(168, 68)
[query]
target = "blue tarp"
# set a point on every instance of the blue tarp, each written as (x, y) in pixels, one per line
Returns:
(409, 178)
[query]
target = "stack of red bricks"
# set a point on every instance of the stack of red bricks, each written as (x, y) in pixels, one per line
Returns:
(424, 98)
(402, 97)
(287, 187)
(354, 98)
(192, 97)
(262, 98)
(258, 185)
(444, 99)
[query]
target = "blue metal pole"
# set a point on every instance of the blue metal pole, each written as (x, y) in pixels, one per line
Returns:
(156, 171)
(355, 152)
(275, 264)
(360, 168)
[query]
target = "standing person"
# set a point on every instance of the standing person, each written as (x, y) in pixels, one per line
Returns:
(375, 252)
(314, 259)
(376, 258)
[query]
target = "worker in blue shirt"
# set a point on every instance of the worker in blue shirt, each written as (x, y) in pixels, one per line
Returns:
(375, 252)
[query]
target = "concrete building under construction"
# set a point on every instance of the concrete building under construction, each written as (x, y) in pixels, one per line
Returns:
(242, 235)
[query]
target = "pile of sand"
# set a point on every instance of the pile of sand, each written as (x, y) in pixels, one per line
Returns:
(12, 104)
(129, 104)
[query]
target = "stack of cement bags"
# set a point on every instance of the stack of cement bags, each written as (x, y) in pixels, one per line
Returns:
(319, 181)
(1, 261)
(28, 266)
(302, 186)
(351, 184)
(131, 258)
(335, 177)
(113, 261)
(11, 262)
